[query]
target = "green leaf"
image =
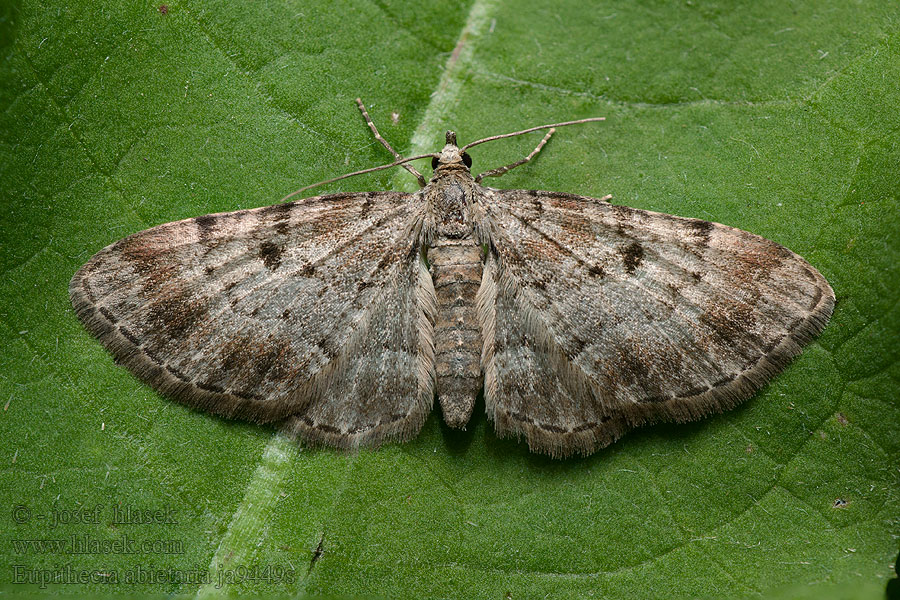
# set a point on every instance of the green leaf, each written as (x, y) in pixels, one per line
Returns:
(778, 118)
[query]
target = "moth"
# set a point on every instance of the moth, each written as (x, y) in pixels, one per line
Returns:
(341, 317)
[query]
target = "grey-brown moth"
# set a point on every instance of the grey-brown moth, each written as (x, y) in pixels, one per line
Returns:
(343, 316)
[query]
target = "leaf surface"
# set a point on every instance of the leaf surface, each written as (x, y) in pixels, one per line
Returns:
(776, 118)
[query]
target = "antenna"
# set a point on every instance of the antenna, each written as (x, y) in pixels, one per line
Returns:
(529, 130)
(345, 176)
(463, 149)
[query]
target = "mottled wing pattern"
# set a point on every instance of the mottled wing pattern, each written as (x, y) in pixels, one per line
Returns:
(262, 314)
(383, 387)
(598, 318)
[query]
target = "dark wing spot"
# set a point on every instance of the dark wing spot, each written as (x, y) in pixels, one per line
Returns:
(205, 225)
(385, 261)
(152, 356)
(128, 335)
(176, 373)
(270, 253)
(367, 205)
(551, 428)
(177, 314)
(701, 230)
(284, 361)
(634, 369)
(144, 256)
(210, 387)
(596, 271)
(655, 399)
(674, 290)
(263, 362)
(328, 348)
(622, 214)
(590, 425)
(694, 391)
(248, 362)
(734, 323)
(235, 355)
(109, 316)
(323, 426)
(632, 256)
(576, 347)
(278, 214)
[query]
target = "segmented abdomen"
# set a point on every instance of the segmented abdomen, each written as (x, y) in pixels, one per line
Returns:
(456, 270)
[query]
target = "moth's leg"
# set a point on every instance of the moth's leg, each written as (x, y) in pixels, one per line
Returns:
(501, 170)
(384, 143)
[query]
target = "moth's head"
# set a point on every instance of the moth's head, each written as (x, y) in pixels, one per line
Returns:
(451, 157)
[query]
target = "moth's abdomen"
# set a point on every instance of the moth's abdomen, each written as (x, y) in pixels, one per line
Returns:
(456, 270)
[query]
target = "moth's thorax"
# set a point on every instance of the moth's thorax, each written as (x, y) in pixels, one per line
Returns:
(451, 194)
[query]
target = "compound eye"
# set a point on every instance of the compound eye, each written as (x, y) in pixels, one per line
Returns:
(467, 160)
(434, 162)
